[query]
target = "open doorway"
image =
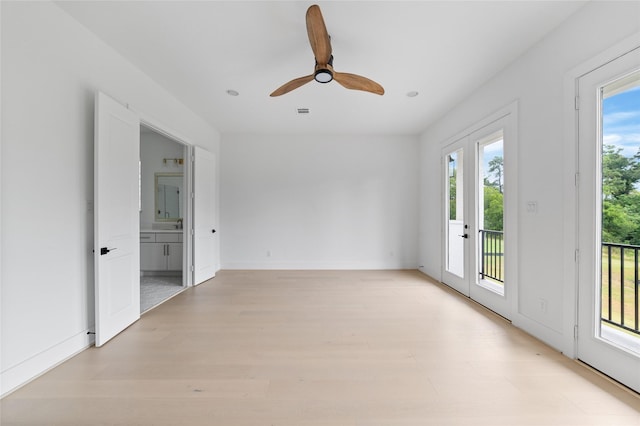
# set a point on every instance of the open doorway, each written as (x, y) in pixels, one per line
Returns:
(182, 245)
(163, 209)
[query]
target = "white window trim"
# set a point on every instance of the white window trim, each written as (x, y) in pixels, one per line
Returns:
(571, 182)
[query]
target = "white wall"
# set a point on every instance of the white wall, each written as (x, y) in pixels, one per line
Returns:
(51, 68)
(319, 201)
(154, 148)
(536, 80)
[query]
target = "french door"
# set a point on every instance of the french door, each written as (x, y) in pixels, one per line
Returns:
(608, 228)
(458, 236)
(475, 188)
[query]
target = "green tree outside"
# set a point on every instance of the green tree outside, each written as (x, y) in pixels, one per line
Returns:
(620, 198)
(493, 208)
(494, 196)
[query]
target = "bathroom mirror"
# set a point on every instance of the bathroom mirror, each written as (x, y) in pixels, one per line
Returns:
(169, 196)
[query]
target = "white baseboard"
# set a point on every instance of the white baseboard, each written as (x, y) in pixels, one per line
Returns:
(319, 265)
(19, 375)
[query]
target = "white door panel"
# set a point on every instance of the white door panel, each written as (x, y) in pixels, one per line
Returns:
(116, 192)
(204, 216)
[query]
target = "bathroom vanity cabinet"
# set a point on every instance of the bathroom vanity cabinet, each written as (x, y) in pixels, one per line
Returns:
(161, 250)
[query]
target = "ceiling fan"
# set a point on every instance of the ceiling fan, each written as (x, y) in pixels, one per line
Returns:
(324, 73)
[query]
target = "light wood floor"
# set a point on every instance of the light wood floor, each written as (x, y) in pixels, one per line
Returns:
(332, 348)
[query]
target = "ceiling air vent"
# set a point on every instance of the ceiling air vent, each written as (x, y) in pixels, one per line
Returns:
(303, 110)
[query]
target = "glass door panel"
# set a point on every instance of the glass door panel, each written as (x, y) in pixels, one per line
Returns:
(609, 217)
(455, 213)
(490, 210)
(620, 212)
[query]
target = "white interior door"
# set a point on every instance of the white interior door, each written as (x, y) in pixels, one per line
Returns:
(205, 251)
(606, 340)
(117, 222)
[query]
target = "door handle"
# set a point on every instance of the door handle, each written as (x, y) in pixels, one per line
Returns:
(464, 236)
(213, 231)
(105, 250)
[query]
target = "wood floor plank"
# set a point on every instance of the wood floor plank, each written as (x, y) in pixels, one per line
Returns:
(316, 348)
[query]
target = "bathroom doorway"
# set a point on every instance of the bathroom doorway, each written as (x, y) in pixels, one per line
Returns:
(163, 209)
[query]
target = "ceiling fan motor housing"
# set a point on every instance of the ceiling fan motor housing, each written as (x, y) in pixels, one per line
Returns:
(324, 73)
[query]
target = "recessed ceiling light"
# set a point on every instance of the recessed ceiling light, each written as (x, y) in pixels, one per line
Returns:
(232, 92)
(412, 94)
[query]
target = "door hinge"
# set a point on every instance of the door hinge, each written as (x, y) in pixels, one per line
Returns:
(577, 256)
(575, 332)
(577, 179)
(193, 268)
(577, 103)
(193, 232)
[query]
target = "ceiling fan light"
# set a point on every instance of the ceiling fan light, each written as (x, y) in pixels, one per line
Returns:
(323, 76)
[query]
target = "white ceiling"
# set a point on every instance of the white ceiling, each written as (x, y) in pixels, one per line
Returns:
(198, 50)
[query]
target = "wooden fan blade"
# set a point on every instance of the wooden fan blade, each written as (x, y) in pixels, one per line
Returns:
(318, 36)
(293, 84)
(357, 82)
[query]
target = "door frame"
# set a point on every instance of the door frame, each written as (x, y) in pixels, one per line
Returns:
(567, 343)
(187, 222)
(509, 114)
(159, 127)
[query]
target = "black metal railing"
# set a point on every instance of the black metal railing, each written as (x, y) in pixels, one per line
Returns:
(492, 255)
(620, 287)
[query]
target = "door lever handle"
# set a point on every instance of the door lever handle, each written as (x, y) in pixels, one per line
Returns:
(105, 250)
(464, 236)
